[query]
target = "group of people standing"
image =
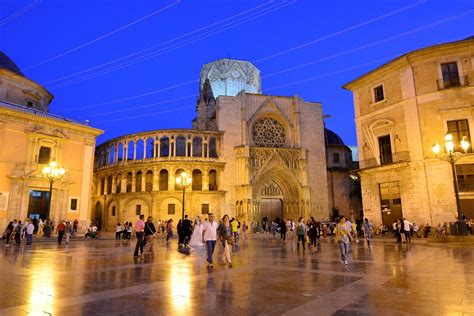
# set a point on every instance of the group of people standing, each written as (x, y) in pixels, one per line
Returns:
(16, 230)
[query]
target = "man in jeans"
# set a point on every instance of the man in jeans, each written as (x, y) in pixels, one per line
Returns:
(209, 236)
(29, 232)
(139, 232)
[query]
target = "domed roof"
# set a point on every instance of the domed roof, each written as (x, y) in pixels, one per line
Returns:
(332, 138)
(7, 63)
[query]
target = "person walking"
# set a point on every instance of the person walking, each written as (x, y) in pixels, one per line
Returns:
(313, 233)
(139, 232)
(75, 224)
(234, 224)
(342, 234)
(118, 231)
(169, 229)
(367, 231)
(407, 227)
(60, 230)
(283, 229)
(209, 237)
(150, 232)
(225, 235)
(187, 227)
(17, 233)
(68, 231)
(300, 232)
(30, 228)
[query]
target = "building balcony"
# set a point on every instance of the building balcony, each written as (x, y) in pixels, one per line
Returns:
(459, 81)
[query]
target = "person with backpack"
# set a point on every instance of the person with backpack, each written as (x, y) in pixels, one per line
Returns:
(300, 232)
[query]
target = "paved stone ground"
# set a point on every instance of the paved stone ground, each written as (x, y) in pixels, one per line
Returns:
(102, 278)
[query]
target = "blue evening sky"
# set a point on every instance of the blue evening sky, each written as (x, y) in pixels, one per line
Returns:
(96, 56)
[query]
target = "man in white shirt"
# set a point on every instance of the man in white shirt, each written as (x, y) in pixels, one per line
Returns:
(209, 237)
(407, 228)
(29, 232)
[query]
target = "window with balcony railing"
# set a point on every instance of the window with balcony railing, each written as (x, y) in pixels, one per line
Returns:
(451, 77)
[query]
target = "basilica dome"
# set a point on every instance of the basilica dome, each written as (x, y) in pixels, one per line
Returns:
(17, 89)
(332, 138)
(229, 76)
(8, 64)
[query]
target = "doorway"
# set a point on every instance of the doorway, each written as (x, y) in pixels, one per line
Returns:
(390, 203)
(98, 216)
(271, 209)
(38, 204)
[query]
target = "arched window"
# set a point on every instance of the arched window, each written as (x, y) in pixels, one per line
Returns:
(112, 154)
(118, 183)
(130, 150)
(176, 175)
(120, 152)
(164, 146)
(109, 184)
(138, 182)
(180, 146)
(197, 147)
(212, 148)
(163, 180)
(129, 182)
(197, 180)
(268, 132)
(149, 181)
(212, 180)
(140, 149)
(150, 148)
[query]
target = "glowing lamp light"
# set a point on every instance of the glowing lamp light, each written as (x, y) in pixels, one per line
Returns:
(448, 138)
(436, 148)
(465, 144)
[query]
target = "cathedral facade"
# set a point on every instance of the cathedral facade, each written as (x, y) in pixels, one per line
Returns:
(249, 155)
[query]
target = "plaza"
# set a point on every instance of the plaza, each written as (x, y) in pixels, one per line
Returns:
(101, 277)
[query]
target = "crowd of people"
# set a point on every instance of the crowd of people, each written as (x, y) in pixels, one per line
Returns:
(17, 230)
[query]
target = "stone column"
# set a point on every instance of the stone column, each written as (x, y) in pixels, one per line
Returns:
(134, 181)
(156, 177)
(205, 180)
(114, 184)
(143, 182)
(171, 179)
(115, 153)
(123, 184)
(134, 150)
(144, 149)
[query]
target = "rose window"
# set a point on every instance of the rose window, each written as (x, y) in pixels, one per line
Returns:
(268, 132)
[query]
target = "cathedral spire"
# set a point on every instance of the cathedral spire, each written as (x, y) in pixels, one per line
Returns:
(206, 92)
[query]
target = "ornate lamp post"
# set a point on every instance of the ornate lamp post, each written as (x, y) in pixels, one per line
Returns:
(52, 172)
(452, 156)
(184, 180)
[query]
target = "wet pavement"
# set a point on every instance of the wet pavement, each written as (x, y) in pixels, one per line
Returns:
(102, 278)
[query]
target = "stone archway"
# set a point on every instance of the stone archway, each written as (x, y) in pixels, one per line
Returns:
(275, 190)
(97, 219)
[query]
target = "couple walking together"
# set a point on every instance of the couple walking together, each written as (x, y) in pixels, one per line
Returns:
(213, 230)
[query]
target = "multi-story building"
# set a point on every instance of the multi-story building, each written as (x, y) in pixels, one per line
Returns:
(30, 138)
(401, 109)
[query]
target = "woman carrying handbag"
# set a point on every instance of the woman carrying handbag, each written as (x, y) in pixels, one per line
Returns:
(150, 232)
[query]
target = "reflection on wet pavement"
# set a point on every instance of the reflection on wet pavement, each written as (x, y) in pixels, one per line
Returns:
(102, 277)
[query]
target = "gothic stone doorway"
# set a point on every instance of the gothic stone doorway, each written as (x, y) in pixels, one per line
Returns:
(97, 220)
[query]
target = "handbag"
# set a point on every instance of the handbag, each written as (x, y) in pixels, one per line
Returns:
(230, 240)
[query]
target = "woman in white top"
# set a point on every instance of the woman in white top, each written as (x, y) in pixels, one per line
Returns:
(118, 231)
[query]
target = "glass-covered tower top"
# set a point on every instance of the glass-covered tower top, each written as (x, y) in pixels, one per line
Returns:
(230, 76)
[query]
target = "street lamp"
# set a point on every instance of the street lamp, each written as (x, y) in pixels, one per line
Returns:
(184, 180)
(452, 156)
(52, 172)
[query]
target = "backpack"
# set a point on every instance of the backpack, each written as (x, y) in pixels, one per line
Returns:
(300, 230)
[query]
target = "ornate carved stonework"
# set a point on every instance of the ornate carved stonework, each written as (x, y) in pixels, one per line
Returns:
(260, 156)
(271, 189)
(268, 132)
